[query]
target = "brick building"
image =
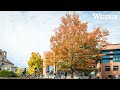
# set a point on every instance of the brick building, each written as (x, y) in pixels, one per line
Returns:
(109, 65)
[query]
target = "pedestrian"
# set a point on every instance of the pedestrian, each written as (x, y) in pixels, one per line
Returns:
(106, 77)
(97, 77)
(36, 72)
(60, 74)
(90, 76)
(65, 74)
(79, 74)
(54, 75)
(24, 72)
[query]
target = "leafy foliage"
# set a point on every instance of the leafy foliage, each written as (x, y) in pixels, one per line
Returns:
(5, 73)
(35, 61)
(19, 71)
(49, 58)
(74, 46)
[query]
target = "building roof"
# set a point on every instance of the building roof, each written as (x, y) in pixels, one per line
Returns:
(3, 57)
(14, 67)
(112, 46)
(7, 61)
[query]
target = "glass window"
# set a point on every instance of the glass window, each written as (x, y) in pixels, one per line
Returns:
(106, 56)
(110, 76)
(116, 59)
(115, 68)
(116, 56)
(107, 68)
(105, 61)
(105, 52)
(8, 69)
(116, 51)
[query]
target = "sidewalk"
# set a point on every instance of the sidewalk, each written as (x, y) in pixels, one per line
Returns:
(75, 77)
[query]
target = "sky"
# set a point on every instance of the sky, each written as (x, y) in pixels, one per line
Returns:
(23, 32)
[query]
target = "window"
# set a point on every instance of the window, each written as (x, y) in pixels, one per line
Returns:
(110, 76)
(116, 59)
(116, 51)
(107, 56)
(8, 69)
(105, 52)
(105, 61)
(115, 68)
(2, 63)
(107, 68)
(116, 56)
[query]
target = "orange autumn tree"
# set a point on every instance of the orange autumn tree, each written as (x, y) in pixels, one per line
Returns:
(74, 46)
(49, 58)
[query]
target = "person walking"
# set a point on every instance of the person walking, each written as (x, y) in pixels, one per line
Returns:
(65, 74)
(36, 72)
(54, 75)
(90, 76)
(106, 77)
(24, 72)
(60, 74)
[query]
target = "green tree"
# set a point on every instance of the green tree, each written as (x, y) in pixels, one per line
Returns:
(35, 61)
(5, 73)
(19, 71)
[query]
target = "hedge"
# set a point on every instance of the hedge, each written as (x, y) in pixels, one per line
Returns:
(5, 73)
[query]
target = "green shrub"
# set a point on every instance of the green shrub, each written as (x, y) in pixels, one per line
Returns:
(5, 73)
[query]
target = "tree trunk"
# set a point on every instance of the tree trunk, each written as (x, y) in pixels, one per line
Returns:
(79, 73)
(72, 74)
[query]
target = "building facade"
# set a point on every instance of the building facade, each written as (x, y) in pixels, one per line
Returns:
(5, 64)
(109, 65)
(48, 69)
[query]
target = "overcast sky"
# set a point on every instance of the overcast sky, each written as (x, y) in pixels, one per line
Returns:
(22, 32)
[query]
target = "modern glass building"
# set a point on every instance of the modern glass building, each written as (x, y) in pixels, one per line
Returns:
(109, 65)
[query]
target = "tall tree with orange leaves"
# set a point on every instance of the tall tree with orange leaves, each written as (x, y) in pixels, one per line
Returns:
(49, 58)
(74, 46)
